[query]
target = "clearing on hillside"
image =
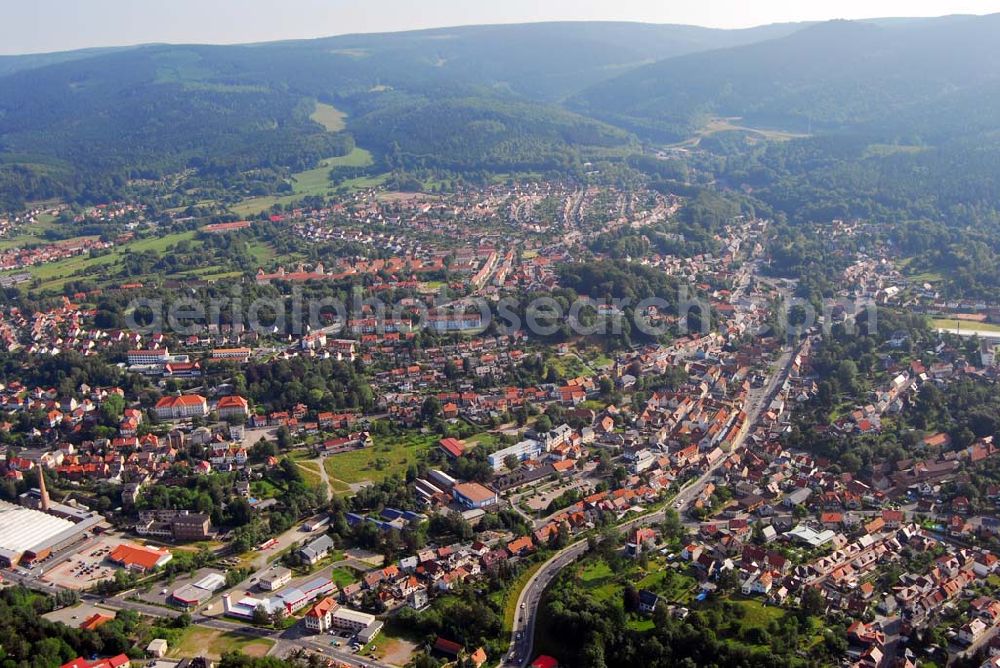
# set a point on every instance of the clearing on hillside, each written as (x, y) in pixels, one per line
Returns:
(329, 117)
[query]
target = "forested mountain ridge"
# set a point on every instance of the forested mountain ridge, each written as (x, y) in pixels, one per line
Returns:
(12, 64)
(78, 124)
(834, 76)
(484, 99)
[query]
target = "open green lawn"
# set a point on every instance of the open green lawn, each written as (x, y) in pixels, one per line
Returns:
(32, 233)
(265, 489)
(595, 572)
(598, 578)
(923, 277)
(261, 251)
(364, 182)
(390, 455)
(329, 117)
(885, 150)
(359, 157)
(485, 439)
(951, 323)
(254, 205)
(641, 625)
(674, 587)
(55, 274)
(731, 123)
(213, 643)
(343, 576)
(569, 366)
(212, 274)
(315, 182)
(339, 486)
(310, 473)
(756, 614)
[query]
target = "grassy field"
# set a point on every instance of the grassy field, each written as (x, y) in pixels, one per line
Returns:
(213, 643)
(359, 157)
(31, 234)
(598, 578)
(211, 274)
(315, 182)
(55, 274)
(310, 473)
(329, 117)
(364, 182)
(261, 251)
(390, 455)
(730, 124)
(485, 439)
(343, 576)
(885, 150)
(675, 587)
(918, 277)
(756, 614)
(265, 489)
(569, 366)
(952, 323)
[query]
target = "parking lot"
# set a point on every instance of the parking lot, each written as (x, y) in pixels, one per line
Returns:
(85, 567)
(159, 593)
(540, 501)
(75, 615)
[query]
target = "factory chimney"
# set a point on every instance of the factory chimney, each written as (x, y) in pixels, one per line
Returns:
(42, 492)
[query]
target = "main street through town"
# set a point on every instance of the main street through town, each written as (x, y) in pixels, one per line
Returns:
(526, 615)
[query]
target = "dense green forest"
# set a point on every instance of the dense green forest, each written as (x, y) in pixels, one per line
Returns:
(885, 76)
(79, 124)
(470, 132)
(501, 99)
(593, 633)
(31, 641)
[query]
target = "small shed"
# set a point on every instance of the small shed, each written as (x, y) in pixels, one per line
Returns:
(157, 648)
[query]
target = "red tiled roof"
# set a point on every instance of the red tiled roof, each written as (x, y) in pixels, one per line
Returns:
(233, 401)
(452, 446)
(129, 555)
(183, 400)
(447, 646)
(323, 607)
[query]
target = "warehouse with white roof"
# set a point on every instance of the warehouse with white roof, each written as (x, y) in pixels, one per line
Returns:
(27, 534)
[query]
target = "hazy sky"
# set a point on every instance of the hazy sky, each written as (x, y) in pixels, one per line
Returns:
(29, 26)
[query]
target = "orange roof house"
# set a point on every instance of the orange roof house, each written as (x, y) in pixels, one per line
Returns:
(452, 447)
(95, 621)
